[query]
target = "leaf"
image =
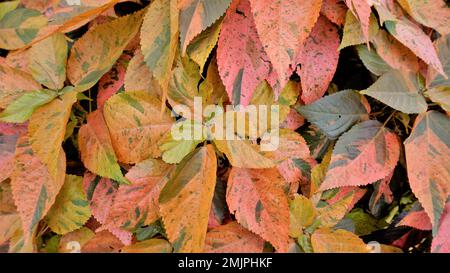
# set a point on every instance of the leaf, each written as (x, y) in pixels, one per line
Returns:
(434, 79)
(417, 41)
(6, 7)
(232, 238)
(201, 47)
(361, 10)
(198, 15)
(149, 246)
(102, 242)
(82, 236)
(394, 53)
(440, 242)
(332, 214)
(353, 32)
(416, 218)
(372, 61)
(113, 81)
(440, 96)
(283, 27)
(34, 186)
(101, 193)
(136, 125)
(241, 58)
(71, 209)
(302, 215)
(9, 224)
(47, 61)
(434, 14)
(243, 154)
(96, 149)
(47, 128)
(363, 155)
(96, 52)
(336, 113)
(399, 91)
(319, 60)
(159, 39)
(338, 241)
(8, 142)
(334, 10)
(138, 76)
(260, 204)
(185, 200)
(14, 83)
(428, 173)
(21, 109)
(19, 27)
(136, 205)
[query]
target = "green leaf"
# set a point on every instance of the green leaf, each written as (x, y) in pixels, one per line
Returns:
(372, 61)
(6, 7)
(399, 91)
(336, 113)
(21, 109)
(71, 209)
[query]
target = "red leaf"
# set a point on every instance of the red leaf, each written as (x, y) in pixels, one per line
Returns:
(334, 10)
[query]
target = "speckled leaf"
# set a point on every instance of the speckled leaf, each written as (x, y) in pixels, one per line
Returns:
(283, 27)
(136, 125)
(47, 128)
(336, 113)
(136, 205)
(14, 83)
(338, 241)
(9, 134)
(71, 208)
(47, 61)
(96, 52)
(416, 40)
(159, 40)
(198, 15)
(363, 155)
(398, 90)
(34, 187)
(138, 76)
(241, 58)
(185, 200)
(232, 238)
(319, 60)
(21, 109)
(259, 201)
(428, 173)
(434, 14)
(19, 27)
(96, 150)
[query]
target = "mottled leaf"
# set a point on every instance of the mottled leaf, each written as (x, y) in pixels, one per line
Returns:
(338, 241)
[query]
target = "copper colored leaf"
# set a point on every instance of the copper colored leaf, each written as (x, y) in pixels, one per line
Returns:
(319, 60)
(138, 76)
(334, 10)
(185, 200)
(260, 204)
(434, 14)
(102, 242)
(365, 154)
(241, 58)
(427, 149)
(283, 27)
